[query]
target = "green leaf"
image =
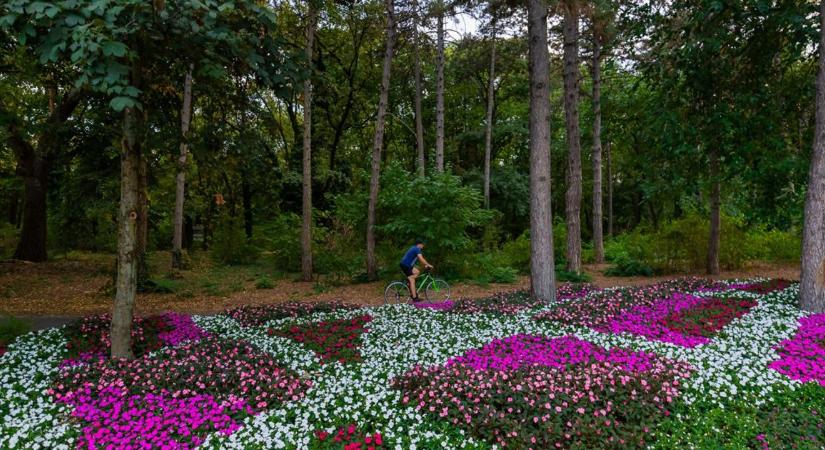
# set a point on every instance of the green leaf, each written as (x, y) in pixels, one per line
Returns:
(112, 48)
(120, 103)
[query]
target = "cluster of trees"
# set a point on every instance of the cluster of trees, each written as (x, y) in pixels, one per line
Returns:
(194, 111)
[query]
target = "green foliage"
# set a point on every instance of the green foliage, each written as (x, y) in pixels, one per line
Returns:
(10, 328)
(563, 275)
(437, 208)
(230, 245)
(264, 283)
(516, 253)
(794, 419)
(8, 240)
(626, 266)
(681, 246)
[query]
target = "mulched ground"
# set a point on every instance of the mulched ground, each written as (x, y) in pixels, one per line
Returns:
(68, 288)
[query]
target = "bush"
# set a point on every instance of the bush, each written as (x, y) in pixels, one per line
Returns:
(563, 275)
(516, 253)
(626, 266)
(10, 328)
(264, 283)
(230, 245)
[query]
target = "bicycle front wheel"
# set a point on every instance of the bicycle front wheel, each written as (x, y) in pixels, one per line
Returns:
(397, 292)
(437, 291)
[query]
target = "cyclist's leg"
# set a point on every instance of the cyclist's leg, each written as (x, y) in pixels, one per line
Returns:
(411, 279)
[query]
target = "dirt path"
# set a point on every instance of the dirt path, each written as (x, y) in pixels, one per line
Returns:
(71, 288)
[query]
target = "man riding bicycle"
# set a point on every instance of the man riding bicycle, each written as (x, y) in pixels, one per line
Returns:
(412, 256)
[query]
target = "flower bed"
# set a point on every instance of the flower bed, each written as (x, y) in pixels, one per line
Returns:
(347, 438)
(803, 356)
(535, 393)
(763, 287)
(88, 338)
(517, 301)
(209, 392)
(257, 315)
(334, 340)
(175, 396)
(679, 319)
(598, 309)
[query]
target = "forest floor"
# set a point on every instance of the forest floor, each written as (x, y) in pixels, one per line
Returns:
(81, 285)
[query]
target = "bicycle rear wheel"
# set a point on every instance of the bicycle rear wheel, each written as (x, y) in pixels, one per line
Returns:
(396, 292)
(437, 291)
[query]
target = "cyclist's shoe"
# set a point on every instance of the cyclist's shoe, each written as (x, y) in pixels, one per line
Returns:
(414, 300)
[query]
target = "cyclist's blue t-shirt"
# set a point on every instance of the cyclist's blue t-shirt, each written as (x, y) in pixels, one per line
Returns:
(411, 256)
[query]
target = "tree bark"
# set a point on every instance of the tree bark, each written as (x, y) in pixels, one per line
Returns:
(180, 177)
(127, 257)
(573, 196)
(246, 200)
(609, 191)
(306, 227)
(598, 240)
(33, 165)
(378, 142)
(488, 129)
(542, 268)
(715, 219)
(812, 287)
(419, 121)
(439, 93)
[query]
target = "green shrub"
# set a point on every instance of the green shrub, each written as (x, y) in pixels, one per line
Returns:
(264, 283)
(230, 245)
(10, 328)
(572, 277)
(628, 267)
(516, 253)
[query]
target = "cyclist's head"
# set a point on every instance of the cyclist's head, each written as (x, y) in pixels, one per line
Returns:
(420, 243)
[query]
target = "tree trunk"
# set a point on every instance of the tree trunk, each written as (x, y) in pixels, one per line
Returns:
(33, 233)
(488, 130)
(378, 143)
(419, 121)
(127, 246)
(142, 224)
(180, 177)
(542, 268)
(573, 196)
(439, 94)
(715, 219)
(812, 287)
(598, 241)
(246, 199)
(609, 191)
(306, 227)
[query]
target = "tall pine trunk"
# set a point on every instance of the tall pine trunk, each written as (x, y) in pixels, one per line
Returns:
(439, 93)
(812, 288)
(488, 129)
(609, 191)
(573, 196)
(542, 270)
(419, 121)
(378, 143)
(306, 227)
(180, 177)
(127, 245)
(598, 240)
(714, 237)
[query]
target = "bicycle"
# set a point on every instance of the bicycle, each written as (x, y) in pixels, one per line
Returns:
(435, 290)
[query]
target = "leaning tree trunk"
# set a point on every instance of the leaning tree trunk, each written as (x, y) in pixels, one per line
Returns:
(378, 143)
(715, 219)
(439, 94)
(598, 241)
(419, 121)
(542, 270)
(488, 129)
(306, 227)
(180, 177)
(573, 196)
(812, 288)
(127, 246)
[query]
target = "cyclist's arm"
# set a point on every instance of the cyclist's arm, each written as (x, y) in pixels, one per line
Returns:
(423, 261)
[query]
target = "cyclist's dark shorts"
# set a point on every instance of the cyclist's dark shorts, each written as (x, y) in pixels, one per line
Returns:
(407, 270)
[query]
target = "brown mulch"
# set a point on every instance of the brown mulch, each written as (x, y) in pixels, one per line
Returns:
(76, 288)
